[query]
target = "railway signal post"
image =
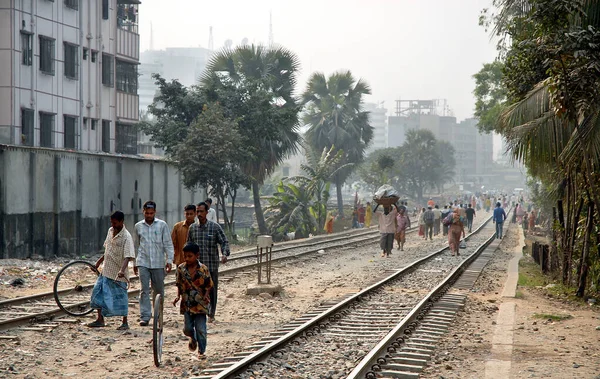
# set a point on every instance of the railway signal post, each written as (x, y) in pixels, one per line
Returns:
(264, 249)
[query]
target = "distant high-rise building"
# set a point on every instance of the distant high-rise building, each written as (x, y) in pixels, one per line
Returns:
(378, 120)
(473, 150)
(186, 64)
(69, 75)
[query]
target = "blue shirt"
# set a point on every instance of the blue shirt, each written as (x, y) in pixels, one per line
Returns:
(499, 215)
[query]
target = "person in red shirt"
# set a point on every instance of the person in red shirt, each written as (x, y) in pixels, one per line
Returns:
(361, 216)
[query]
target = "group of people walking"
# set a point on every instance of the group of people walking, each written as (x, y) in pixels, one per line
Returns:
(449, 221)
(192, 246)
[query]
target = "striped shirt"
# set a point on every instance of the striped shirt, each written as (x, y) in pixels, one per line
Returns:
(116, 249)
(153, 244)
(208, 237)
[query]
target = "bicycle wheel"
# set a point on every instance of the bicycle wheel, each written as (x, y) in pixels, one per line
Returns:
(157, 330)
(73, 287)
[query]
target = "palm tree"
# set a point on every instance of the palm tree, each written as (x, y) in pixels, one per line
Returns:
(335, 118)
(255, 85)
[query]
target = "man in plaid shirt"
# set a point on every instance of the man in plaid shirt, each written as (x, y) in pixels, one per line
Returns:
(208, 235)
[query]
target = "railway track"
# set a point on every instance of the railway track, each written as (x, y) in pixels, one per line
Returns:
(352, 332)
(42, 307)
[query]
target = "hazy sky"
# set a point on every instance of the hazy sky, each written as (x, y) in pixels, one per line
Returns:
(405, 49)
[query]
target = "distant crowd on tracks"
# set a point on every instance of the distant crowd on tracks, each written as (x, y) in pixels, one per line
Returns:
(450, 219)
(190, 247)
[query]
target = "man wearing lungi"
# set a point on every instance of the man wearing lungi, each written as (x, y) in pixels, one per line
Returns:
(109, 295)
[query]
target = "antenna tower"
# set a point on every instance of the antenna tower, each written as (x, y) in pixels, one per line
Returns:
(211, 43)
(270, 29)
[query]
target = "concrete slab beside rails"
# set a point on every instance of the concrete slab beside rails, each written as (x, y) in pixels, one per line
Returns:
(498, 364)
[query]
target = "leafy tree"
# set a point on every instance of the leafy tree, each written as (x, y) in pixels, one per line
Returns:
(333, 113)
(380, 168)
(444, 173)
(419, 163)
(289, 210)
(174, 108)
(490, 96)
(255, 85)
(211, 156)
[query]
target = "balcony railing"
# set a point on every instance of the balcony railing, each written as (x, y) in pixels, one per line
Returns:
(127, 17)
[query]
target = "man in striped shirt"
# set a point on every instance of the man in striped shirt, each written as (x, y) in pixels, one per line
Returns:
(154, 248)
(208, 235)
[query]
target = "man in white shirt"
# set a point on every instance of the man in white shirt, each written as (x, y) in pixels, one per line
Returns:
(212, 214)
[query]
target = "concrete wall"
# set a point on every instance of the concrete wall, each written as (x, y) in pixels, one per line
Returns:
(58, 203)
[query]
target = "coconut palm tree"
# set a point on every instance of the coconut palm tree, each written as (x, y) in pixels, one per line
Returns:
(335, 118)
(255, 85)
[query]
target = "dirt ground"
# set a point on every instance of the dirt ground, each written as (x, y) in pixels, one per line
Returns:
(554, 337)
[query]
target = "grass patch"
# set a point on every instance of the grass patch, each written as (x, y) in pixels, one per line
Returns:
(553, 317)
(530, 274)
(519, 295)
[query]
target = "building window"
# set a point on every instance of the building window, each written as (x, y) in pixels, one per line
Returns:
(94, 124)
(71, 62)
(126, 139)
(85, 53)
(108, 70)
(47, 55)
(127, 77)
(27, 117)
(69, 135)
(106, 136)
(105, 9)
(26, 48)
(94, 56)
(46, 129)
(85, 123)
(73, 4)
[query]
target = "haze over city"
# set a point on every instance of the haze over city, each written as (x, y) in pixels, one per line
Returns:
(403, 49)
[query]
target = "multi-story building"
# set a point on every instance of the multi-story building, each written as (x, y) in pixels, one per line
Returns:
(186, 64)
(378, 120)
(473, 150)
(69, 75)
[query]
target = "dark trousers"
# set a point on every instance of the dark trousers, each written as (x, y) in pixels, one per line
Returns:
(469, 224)
(429, 231)
(213, 292)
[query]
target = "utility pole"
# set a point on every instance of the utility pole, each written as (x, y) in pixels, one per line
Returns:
(211, 43)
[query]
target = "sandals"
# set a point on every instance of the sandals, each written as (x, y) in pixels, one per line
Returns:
(201, 356)
(123, 327)
(192, 345)
(96, 324)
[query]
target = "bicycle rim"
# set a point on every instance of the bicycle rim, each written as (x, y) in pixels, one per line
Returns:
(157, 330)
(73, 287)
